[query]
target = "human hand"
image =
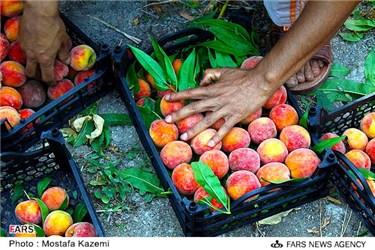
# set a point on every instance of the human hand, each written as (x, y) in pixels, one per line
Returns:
(236, 94)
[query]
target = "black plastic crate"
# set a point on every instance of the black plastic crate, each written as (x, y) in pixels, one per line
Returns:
(195, 219)
(345, 177)
(55, 113)
(55, 162)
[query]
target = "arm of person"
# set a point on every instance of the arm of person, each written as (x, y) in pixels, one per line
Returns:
(238, 93)
(42, 36)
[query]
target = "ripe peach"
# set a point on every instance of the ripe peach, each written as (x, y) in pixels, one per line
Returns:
(161, 132)
(144, 89)
(368, 125)
(11, 8)
(33, 94)
(234, 139)
(251, 62)
(283, 115)
(11, 27)
(162, 93)
(11, 115)
(217, 161)
(279, 97)
(274, 171)
(4, 47)
(174, 153)
(340, 146)
(371, 184)
(241, 182)
(217, 125)
(80, 78)
(16, 53)
(356, 139)
(302, 163)
(81, 229)
(272, 150)
(183, 179)
(28, 211)
(252, 117)
(262, 129)
(142, 101)
(199, 142)
(60, 70)
(150, 80)
(10, 97)
(82, 57)
(359, 158)
(25, 114)
(59, 89)
(167, 108)
(201, 194)
(189, 122)
(244, 159)
(370, 150)
(177, 63)
(294, 137)
(54, 198)
(57, 222)
(13, 74)
(72, 74)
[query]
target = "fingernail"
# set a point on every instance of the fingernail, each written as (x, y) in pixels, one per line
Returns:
(167, 97)
(168, 118)
(211, 144)
(184, 137)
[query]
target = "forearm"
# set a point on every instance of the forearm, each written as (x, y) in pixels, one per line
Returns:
(42, 8)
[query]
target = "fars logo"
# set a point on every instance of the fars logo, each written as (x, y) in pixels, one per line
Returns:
(21, 229)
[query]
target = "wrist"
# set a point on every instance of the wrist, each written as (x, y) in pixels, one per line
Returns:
(40, 8)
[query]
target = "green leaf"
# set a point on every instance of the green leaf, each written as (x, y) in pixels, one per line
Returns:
(42, 185)
(17, 192)
(157, 52)
(187, 80)
(98, 182)
(339, 70)
(322, 145)
(43, 209)
(98, 194)
(105, 199)
(116, 119)
(39, 231)
(3, 233)
(351, 37)
(79, 212)
(224, 60)
(359, 25)
(220, 46)
(211, 184)
(323, 101)
(97, 144)
(293, 180)
(87, 128)
(370, 67)
(367, 174)
(212, 59)
(148, 115)
(65, 204)
(304, 119)
(132, 79)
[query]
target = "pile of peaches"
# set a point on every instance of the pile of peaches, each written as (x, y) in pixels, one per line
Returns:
(21, 96)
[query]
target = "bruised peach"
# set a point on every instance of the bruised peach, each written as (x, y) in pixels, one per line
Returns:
(144, 89)
(283, 115)
(189, 122)
(251, 62)
(177, 63)
(10, 97)
(252, 117)
(217, 161)
(201, 194)
(200, 142)
(33, 94)
(150, 80)
(60, 70)
(28, 212)
(57, 222)
(302, 163)
(262, 129)
(234, 139)
(370, 150)
(11, 115)
(174, 153)
(241, 182)
(161, 132)
(272, 150)
(356, 139)
(167, 108)
(11, 8)
(274, 171)
(59, 89)
(16, 53)
(368, 125)
(82, 57)
(340, 146)
(11, 28)
(294, 137)
(13, 74)
(244, 159)
(359, 158)
(184, 180)
(279, 97)
(81, 229)
(4, 47)
(55, 198)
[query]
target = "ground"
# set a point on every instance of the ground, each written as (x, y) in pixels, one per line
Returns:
(156, 218)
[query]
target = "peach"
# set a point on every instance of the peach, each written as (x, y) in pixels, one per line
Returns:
(59, 89)
(189, 122)
(356, 139)
(244, 159)
(4, 47)
(167, 108)
(251, 62)
(177, 63)
(55, 198)
(294, 137)
(234, 139)
(359, 158)
(217, 161)
(162, 93)
(142, 101)
(302, 163)
(144, 89)
(150, 80)
(174, 153)
(370, 150)
(28, 212)
(33, 94)
(272, 150)
(201, 194)
(13, 74)
(25, 114)
(12, 116)
(10, 97)
(72, 73)
(16, 53)
(11, 8)
(241, 182)
(368, 125)
(279, 97)
(81, 229)
(82, 57)
(60, 70)
(274, 171)
(262, 129)
(217, 125)
(340, 146)
(200, 142)
(371, 184)
(161, 132)
(283, 115)
(57, 222)
(11, 28)
(81, 76)
(184, 180)
(252, 117)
